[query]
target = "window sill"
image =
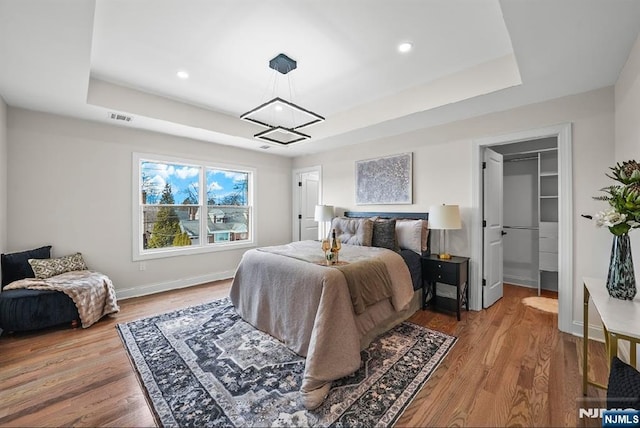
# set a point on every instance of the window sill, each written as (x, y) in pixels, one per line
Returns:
(178, 252)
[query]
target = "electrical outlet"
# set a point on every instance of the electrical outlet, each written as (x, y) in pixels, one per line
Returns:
(142, 266)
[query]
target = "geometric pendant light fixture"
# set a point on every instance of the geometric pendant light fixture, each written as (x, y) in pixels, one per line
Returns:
(283, 119)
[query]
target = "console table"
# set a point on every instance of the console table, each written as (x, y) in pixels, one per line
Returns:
(620, 320)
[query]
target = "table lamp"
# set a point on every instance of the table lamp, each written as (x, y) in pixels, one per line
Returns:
(323, 214)
(444, 217)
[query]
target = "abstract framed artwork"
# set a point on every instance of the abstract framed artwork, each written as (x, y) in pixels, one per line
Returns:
(385, 180)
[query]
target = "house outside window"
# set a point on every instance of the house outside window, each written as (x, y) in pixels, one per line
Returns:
(185, 207)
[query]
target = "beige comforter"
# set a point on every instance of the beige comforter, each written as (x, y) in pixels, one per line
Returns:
(92, 292)
(368, 282)
(286, 292)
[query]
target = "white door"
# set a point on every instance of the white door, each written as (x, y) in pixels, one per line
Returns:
(308, 186)
(492, 215)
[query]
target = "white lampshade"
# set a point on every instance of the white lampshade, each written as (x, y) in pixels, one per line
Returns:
(444, 217)
(323, 213)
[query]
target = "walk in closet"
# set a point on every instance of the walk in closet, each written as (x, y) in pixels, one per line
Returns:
(530, 213)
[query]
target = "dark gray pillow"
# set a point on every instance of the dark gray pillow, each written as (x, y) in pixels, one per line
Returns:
(384, 234)
(16, 266)
(623, 390)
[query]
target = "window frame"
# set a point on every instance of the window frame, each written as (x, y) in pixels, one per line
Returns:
(139, 253)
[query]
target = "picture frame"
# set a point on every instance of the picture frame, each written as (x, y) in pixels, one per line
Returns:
(385, 181)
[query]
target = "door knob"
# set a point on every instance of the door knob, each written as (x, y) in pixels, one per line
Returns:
(503, 233)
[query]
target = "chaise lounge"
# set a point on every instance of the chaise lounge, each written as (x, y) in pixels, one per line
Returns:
(61, 292)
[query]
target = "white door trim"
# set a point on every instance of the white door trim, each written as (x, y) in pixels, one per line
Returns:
(565, 231)
(295, 200)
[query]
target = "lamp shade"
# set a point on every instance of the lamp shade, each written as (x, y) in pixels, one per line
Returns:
(444, 217)
(323, 213)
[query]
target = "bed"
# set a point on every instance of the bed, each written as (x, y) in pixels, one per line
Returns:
(289, 292)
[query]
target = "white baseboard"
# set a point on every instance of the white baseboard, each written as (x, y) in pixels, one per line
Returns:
(595, 332)
(144, 290)
(521, 281)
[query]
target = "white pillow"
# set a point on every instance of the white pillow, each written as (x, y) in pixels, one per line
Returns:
(425, 235)
(409, 234)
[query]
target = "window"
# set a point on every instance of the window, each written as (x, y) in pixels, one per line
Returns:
(184, 207)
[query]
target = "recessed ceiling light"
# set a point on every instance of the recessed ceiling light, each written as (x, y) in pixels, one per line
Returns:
(405, 47)
(182, 75)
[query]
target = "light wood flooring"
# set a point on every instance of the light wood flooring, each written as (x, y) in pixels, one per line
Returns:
(510, 367)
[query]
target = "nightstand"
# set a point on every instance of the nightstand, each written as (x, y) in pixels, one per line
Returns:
(454, 271)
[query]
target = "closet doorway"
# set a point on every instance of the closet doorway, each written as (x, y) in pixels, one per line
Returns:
(530, 213)
(534, 262)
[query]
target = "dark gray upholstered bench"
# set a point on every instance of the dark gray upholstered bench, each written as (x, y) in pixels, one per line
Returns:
(24, 310)
(623, 389)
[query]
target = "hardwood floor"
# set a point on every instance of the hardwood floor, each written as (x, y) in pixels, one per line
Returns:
(510, 367)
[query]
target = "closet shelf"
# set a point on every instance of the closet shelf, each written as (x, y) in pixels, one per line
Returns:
(548, 201)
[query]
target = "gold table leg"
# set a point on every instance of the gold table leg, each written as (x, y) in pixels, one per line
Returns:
(585, 341)
(611, 340)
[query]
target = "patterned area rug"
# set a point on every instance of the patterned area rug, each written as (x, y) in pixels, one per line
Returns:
(205, 366)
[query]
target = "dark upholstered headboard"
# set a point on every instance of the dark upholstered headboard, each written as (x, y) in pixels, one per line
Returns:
(360, 214)
(412, 216)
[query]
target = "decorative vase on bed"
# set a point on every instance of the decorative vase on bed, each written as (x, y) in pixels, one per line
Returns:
(621, 281)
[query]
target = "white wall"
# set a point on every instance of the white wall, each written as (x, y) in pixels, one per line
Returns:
(70, 184)
(442, 169)
(3, 176)
(627, 126)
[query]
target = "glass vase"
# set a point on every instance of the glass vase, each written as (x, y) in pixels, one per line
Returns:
(621, 280)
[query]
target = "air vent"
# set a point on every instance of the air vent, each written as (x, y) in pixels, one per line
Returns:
(120, 116)
(265, 147)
